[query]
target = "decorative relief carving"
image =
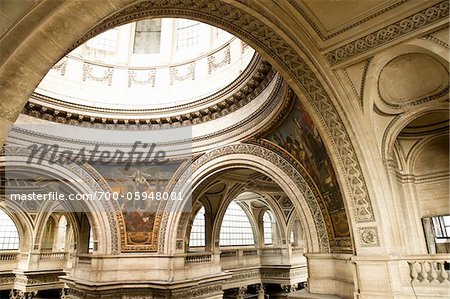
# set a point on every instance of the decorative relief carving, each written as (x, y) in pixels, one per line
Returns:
(60, 66)
(418, 20)
(359, 94)
(297, 5)
(253, 30)
(134, 74)
(368, 236)
(89, 73)
(226, 59)
(436, 41)
(256, 79)
(244, 47)
(188, 74)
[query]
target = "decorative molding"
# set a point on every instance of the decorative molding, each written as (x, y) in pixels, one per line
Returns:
(226, 59)
(368, 236)
(323, 36)
(436, 41)
(189, 73)
(251, 84)
(133, 78)
(375, 39)
(359, 94)
(105, 77)
(60, 66)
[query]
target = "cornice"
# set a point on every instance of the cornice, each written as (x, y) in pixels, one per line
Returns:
(242, 91)
(326, 36)
(388, 33)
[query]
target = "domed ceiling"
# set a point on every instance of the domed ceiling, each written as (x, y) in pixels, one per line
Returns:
(148, 64)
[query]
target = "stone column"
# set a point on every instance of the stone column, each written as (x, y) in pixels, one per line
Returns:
(241, 292)
(261, 291)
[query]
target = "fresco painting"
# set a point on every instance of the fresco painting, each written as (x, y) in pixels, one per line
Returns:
(299, 136)
(138, 215)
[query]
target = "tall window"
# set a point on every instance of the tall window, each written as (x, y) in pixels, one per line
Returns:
(147, 38)
(49, 234)
(9, 236)
(187, 34)
(61, 235)
(197, 237)
(107, 41)
(91, 241)
(236, 229)
(267, 226)
(442, 227)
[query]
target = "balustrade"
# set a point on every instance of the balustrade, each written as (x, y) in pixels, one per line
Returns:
(429, 271)
(9, 256)
(53, 255)
(198, 258)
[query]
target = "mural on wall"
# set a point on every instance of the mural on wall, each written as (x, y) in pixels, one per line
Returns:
(299, 136)
(137, 188)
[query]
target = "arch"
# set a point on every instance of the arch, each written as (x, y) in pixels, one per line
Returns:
(223, 216)
(23, 222)
(253, 157)
(278, 45)
(84, 180)
(400, 122)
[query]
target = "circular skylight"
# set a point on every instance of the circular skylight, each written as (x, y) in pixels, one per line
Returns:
(148, 64)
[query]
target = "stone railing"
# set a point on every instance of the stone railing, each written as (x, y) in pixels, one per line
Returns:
(198, 258)
(430, 270)
(250, 252)
(53, 255)
(271, 251)
(228, 253)
(8, 256)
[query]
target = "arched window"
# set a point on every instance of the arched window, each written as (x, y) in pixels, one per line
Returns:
(49, 234)
(236, 229)
(292, 237)
(267, 227)
(147, 37)
(60, 244)
(9, 236)
(91, 241)
(187, 34)
(197, 237)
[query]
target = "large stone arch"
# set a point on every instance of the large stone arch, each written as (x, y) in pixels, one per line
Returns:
(250, 156)
(84, 179)
(51, 30)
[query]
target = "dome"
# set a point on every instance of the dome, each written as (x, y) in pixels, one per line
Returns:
(152, 64)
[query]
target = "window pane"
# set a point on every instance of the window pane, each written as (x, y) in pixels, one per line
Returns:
(9, 236)
(236, 229)
(197, 237)
(441, 225)
(187, 34)
(91, 241)
(147, 38)
(267, 226)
